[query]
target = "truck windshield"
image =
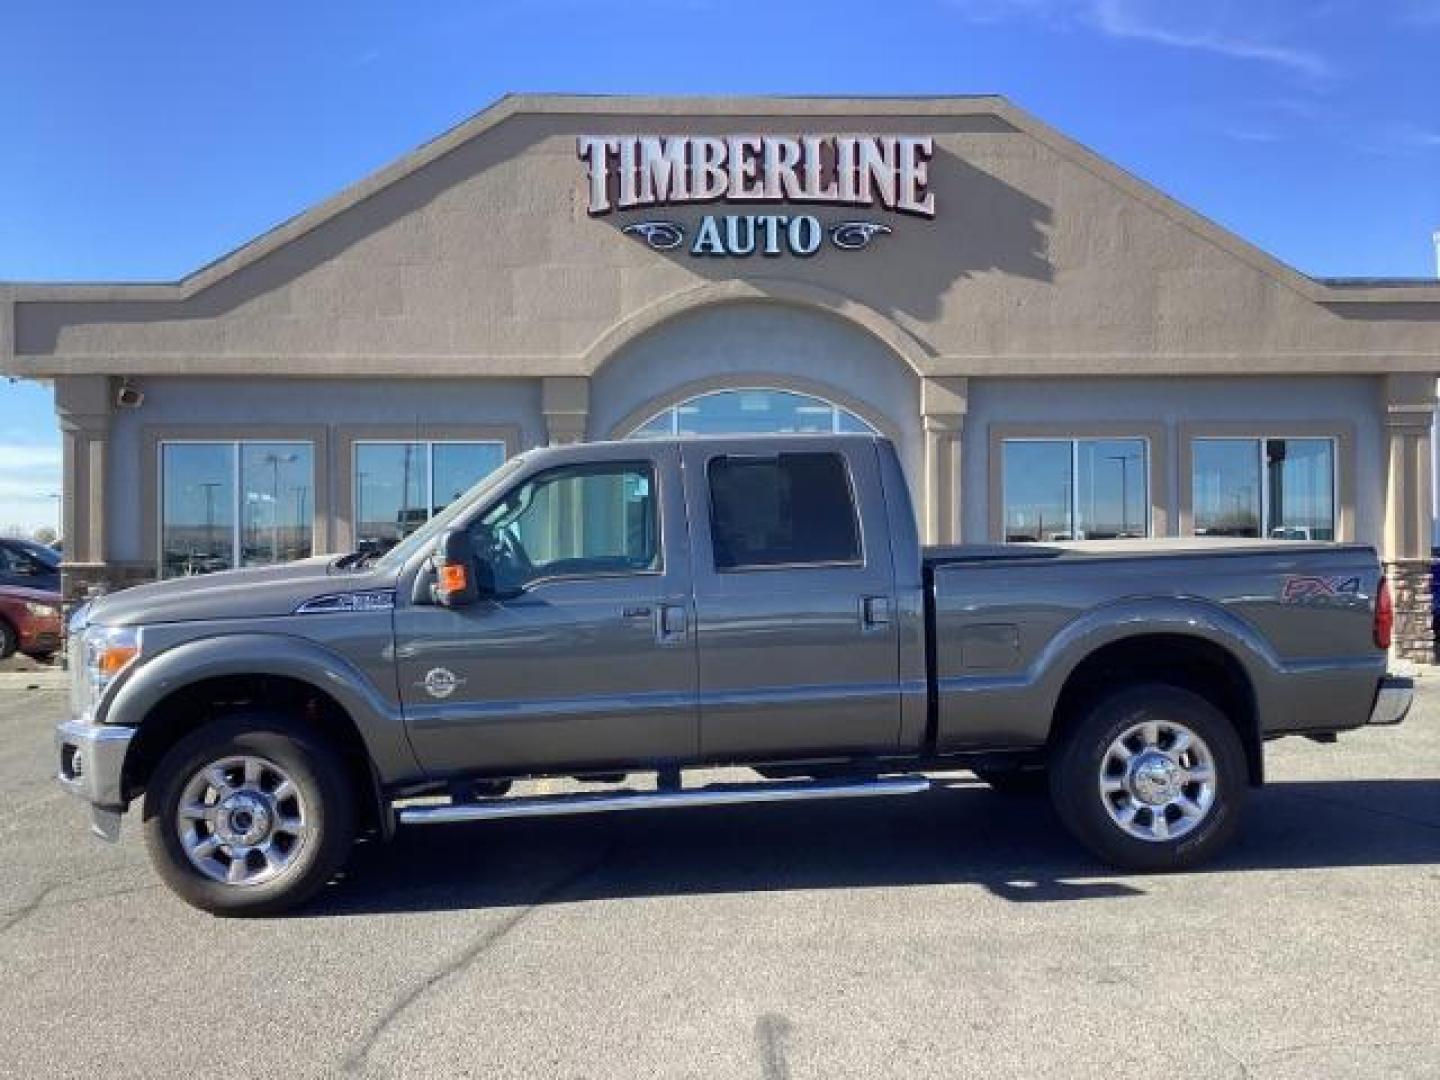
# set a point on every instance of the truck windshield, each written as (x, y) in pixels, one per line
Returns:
(422, 537)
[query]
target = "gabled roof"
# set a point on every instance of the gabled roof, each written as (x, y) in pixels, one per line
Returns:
(1320, 290)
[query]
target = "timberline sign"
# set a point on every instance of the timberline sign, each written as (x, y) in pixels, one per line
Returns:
(635, 172)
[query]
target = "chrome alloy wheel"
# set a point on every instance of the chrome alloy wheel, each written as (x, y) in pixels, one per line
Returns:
(242, 820)
(1157, 780)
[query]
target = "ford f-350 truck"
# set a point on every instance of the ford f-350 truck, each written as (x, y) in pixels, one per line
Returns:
(645, 609)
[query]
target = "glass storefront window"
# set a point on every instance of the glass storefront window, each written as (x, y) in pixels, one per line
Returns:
(1112, 494)
(1226, 487)
(1283, 489)
(275, 510)
(1075, 489)
(1039, 486)
(229, 504)
(400, 485)
(751, 412)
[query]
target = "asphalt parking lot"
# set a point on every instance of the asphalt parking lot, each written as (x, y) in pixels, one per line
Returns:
(953, 934)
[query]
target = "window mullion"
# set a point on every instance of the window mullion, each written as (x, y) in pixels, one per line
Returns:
(236, 506)
(429, 479)
(1264, 482)
(1074, 489)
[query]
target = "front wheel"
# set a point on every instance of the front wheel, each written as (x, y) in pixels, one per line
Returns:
(1151, 778)
(250, 815)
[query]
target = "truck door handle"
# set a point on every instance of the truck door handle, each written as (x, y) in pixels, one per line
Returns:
(672, 623)
(874, 612)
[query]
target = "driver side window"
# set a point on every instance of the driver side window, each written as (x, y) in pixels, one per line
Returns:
(574, 521)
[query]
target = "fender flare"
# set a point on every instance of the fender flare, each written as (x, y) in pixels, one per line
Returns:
(1185, 616)
(381, 725)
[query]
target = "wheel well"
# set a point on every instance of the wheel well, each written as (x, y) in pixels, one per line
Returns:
(190, 707)
(1191, 663)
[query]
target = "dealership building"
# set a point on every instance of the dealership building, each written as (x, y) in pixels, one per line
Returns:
(1058, 350)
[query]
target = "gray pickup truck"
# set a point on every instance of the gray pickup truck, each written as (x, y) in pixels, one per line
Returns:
(641, 609)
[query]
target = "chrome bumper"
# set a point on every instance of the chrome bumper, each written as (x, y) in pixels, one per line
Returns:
(91, 760)
(1393, 700)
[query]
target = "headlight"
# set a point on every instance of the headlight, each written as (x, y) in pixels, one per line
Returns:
(109, 650)
(41, 611)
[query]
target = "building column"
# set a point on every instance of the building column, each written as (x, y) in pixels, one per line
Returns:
(565, 401)
(943, 403)
(1409, 414)
(83, 405)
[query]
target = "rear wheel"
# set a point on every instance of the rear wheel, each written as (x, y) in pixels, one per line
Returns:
(1151, 778)
(249, 815)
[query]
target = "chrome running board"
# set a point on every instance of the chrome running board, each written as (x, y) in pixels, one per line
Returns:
(609, 802)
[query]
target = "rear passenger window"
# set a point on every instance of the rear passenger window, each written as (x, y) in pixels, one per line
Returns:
(788, 510)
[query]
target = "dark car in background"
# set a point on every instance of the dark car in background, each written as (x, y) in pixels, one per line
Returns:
(25, 564)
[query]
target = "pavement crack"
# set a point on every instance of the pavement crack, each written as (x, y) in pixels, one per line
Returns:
(25, 910)
(355, 1059)
(15, 916)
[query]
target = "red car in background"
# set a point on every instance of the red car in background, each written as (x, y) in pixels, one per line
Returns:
(29, 622)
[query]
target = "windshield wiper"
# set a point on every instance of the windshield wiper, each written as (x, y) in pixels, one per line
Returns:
(356, 559)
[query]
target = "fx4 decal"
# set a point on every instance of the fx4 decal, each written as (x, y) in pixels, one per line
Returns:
(1298, 588)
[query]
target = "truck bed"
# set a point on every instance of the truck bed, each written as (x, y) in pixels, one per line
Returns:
(1005, 620)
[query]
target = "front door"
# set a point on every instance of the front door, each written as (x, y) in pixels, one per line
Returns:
(795, 601)
(585, 658)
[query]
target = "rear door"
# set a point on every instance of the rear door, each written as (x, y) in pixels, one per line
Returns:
(795, 601)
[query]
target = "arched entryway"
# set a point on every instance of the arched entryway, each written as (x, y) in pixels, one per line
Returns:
(749, 365)
(751, 410)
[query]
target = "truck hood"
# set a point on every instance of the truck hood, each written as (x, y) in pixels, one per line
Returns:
(234, 594)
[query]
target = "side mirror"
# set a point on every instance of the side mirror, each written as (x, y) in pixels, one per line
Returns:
(456, 570)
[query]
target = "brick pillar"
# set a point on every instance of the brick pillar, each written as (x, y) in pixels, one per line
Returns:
(1414, 621)
(1409, 414)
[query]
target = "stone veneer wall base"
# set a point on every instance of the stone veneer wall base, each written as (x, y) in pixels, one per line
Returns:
(1410, 585)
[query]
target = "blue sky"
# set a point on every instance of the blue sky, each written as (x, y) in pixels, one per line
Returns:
(142, 140)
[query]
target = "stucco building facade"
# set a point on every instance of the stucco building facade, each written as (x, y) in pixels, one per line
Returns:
(1058, 349)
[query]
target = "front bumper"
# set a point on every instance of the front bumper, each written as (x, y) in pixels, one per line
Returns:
(1393, 700)
(91, 765)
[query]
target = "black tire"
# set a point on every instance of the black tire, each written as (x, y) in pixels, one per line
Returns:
(1018, 782)
(317, 770)
(8, 640)
(1075, 773)
(42, 657)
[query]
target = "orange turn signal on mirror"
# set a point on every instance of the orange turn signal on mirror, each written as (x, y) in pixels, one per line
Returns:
(453, 578)
(113, 658)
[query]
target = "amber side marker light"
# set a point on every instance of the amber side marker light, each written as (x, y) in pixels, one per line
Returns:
(1384, 615)
(454, 578)
(113, 659)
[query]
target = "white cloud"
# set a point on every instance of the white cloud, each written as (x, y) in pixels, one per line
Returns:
(1128, 19)
(1193, 27)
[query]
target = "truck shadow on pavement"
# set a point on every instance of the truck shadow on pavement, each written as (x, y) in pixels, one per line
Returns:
(961, 833)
